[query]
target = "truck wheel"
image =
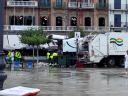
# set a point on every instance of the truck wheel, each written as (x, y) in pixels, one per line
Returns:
(111, 62)
(121, 62)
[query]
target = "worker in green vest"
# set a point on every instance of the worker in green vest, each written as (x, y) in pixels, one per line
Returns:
(51, 59)
(9, 54)
(9, 59)
(18, 56)
(48, 57)
(55, 57)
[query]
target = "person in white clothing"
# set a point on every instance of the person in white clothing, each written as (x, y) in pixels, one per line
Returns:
(126, 62)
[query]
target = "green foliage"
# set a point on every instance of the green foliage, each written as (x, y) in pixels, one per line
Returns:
(71, 34)
(33, 37)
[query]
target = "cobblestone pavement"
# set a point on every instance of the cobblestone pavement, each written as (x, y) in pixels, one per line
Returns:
(72, 82)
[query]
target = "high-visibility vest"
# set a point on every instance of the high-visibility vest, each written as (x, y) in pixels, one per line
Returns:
(9, 54)
(51, 56)
(48, 55)
(18, 55)
(55, 54)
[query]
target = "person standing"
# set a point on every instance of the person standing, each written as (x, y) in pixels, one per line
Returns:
(48, 57)
(126, 62)
(17, 56)
(55, 57)
(9, 59)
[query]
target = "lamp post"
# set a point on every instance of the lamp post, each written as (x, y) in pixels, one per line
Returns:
(77, 37)
(3, 76)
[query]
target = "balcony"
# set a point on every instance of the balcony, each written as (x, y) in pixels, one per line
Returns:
(59, 5)
(22, 3)
(73, 5)
(87, 5)
(102, 6)
(54, 28)
(123, 26)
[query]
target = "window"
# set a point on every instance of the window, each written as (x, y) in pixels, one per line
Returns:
(58, 2)
(43, 21)
(101, 21)
(117, 4)
(117, 20)
(103, 1)
(87, 21)
(73, 21)
(28, 20)
(11, 20)
(16, 20)
(20, 20)
(45, 2)
(59, 21)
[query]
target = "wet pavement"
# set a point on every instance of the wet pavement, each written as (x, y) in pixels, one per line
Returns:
(72, 82)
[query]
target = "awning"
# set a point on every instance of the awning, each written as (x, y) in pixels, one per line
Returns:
(12, 42)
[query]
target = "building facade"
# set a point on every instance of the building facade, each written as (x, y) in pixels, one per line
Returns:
(118, 15)
(59, 16)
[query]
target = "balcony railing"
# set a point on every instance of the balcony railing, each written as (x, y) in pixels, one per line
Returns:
(122, 25)
(73, 5)
(87, 5)
(102, 6)
(59, 5)
(22, 3)
(53, 28)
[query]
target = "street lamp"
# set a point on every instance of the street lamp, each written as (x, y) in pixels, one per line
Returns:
(3, 76)
(77, 37)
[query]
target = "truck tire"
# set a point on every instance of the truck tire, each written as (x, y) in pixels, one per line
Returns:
(121, 62)
(102, 63)
(111, 62)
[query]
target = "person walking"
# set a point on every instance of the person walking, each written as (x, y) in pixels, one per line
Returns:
(126, 63)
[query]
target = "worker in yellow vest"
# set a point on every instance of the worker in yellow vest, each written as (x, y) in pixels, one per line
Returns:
(48, 57)
(9, 59)
(9, 54)
(55, 57)
(18, 56)
(51, 59)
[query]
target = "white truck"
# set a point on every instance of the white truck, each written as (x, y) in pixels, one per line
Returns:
(70, 45)
(106, 49)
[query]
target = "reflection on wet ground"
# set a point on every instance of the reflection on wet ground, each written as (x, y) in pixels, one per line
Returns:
(72, 82)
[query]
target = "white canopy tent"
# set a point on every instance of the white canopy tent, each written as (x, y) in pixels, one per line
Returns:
(12, 42)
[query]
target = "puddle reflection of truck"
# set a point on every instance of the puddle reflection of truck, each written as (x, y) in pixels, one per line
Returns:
(106, 49)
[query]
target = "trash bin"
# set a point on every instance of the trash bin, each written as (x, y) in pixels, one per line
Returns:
(16, 65)
(62, 61)
(29, 65)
